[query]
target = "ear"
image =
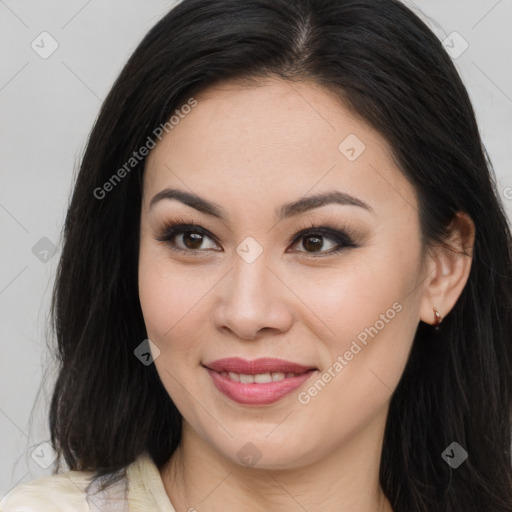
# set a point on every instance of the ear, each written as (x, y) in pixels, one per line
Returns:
(448, 269)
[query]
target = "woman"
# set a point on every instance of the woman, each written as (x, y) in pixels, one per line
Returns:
(286, 276)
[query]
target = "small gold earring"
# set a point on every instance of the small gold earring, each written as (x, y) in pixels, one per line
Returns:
(437, 320)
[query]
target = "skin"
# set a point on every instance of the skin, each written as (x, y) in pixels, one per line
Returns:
(250, 149)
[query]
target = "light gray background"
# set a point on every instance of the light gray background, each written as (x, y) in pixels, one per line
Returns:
(48, 107)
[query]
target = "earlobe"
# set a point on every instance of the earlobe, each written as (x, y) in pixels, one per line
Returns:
(452, 265)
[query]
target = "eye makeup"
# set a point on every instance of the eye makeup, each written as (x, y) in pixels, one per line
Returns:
(343, 237)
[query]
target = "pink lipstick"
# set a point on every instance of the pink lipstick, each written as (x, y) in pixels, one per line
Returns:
(258, 382)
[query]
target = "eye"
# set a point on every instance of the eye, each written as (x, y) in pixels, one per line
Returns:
(313, 240)
(186, 237)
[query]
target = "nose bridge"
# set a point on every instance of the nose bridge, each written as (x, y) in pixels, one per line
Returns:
(249, 280)
(250, 300)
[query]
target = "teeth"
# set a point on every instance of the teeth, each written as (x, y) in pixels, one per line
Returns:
(259, 378)
(262, 378)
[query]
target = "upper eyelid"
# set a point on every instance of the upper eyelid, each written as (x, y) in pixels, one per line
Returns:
(180, 227)
(311, 220)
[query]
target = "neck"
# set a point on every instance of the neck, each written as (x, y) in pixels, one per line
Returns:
(197, 477)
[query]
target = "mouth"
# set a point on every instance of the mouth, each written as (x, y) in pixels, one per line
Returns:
(258, 378)
(258, 382)
(257, 366)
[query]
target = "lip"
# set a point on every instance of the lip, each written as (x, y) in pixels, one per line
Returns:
(253, 393)
(261, 365)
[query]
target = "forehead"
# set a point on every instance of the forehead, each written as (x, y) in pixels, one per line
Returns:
(274, 141)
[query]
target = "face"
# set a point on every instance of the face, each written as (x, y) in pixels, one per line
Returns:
(333, 285)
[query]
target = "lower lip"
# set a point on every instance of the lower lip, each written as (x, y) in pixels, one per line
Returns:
(257, 394)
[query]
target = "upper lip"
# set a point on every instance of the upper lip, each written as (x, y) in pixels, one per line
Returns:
(261, 365)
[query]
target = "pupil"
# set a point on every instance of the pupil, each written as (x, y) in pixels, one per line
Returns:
(192, 240)
(317, 244)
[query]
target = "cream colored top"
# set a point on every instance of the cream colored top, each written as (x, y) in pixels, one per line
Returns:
(142, 490)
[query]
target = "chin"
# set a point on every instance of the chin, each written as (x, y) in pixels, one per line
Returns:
(263, 453)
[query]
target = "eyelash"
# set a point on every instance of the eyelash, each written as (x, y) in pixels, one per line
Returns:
(181, 225)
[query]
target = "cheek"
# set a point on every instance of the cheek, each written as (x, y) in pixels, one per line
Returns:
(371, 328)
(349, 300)
(169, 294)
(366, 314)
(170, 298)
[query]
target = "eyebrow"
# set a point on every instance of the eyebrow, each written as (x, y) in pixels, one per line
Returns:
(290, 209)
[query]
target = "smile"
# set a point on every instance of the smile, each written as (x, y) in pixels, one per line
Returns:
(259, 378)
(259, 382)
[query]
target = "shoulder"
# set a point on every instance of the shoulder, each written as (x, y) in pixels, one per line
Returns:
(139, 488)
(55, 493)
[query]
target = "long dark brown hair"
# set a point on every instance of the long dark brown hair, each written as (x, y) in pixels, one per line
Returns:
(386, 65)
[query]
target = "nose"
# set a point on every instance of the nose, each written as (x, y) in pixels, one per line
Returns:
(253, 301)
